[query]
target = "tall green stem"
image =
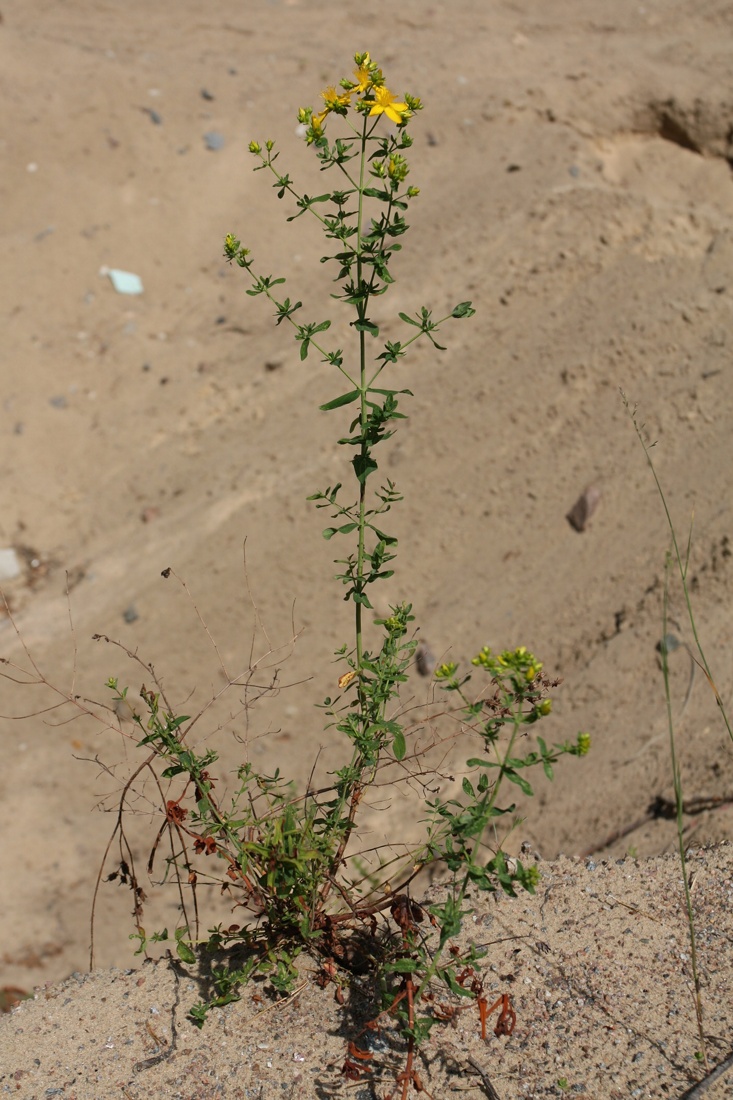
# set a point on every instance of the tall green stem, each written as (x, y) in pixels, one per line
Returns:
(361, 310)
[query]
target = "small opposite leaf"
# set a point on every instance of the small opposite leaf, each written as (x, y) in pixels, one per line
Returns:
(169, 773)
(375, 193)
(344, 399)
(345, 530)
(366, 326)
(364, 465)
(521, 782)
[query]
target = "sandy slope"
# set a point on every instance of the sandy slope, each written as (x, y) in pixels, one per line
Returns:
(575, 179)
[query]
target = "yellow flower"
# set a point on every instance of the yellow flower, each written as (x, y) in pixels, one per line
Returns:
(385, 103)
(314, 126)
(334, 101)
(362, 75)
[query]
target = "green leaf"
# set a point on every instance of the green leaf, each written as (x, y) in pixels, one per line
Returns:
(344, 399)
(305, 204)
(170, 772)
(546, 757)
(399, 748)
(518, 779)
(184, 951)
(366, 326)
(375, 193)
(409, 320)
(364, 465)
(475, 762)
(403, 966)
(176, 722)
(345, 530)
(452, 983)
(420, 1031)
(389, 393)
(463, 309)
(388, 540)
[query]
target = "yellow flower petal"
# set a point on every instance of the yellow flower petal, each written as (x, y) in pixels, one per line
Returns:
(362, 78)
(385, 103)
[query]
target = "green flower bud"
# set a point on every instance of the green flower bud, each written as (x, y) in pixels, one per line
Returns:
(445, 671)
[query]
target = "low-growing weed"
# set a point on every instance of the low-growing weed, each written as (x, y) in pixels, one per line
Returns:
(291, 863)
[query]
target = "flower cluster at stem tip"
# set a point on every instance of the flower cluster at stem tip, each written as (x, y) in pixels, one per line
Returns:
(371, 97)
(518, 669)
(518, 660)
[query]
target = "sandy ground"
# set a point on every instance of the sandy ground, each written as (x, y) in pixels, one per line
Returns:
(575, 179)
(596, 965)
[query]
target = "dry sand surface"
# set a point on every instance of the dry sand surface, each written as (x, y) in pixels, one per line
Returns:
(574, 162)
(596, 963)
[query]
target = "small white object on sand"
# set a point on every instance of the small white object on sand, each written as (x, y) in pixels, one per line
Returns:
(9, 564)
(124, 282)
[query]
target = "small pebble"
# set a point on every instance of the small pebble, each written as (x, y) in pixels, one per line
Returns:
(584, 507)
(214, 140)
(425, 662)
